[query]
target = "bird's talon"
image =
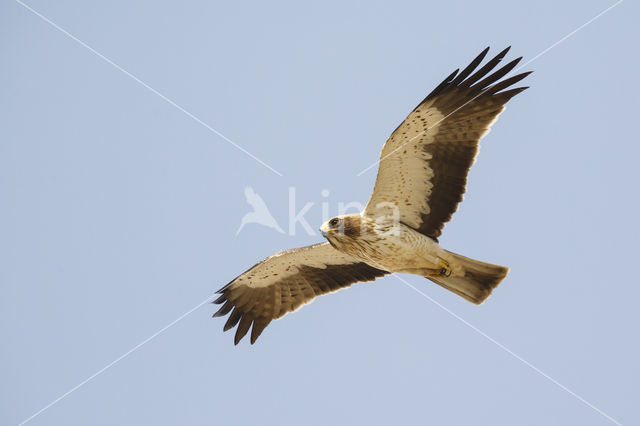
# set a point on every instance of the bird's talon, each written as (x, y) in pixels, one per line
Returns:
(445, 271)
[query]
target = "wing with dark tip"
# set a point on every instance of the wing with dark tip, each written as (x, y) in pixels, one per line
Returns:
(424, 163)
(284, 282)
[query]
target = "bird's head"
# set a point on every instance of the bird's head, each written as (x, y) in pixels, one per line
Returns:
(342, 227)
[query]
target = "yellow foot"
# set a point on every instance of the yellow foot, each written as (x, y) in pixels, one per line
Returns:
(445, 269)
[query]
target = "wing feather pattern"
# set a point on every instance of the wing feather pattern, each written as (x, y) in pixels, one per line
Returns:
(284, 282)
(424, 163)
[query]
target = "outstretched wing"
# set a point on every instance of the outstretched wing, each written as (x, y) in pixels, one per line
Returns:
(424, 163)
(285, 281)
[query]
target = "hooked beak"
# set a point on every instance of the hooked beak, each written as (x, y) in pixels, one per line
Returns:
(324, 230)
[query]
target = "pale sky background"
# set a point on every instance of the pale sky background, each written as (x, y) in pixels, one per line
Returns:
(119, 213)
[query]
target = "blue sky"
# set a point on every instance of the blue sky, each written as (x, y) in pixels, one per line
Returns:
(120, 211)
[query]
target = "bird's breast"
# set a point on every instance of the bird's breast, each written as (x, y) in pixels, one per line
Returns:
(396, 249)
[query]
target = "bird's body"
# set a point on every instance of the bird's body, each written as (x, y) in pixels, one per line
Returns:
(422, 177)
(392, 246)
(386, 244)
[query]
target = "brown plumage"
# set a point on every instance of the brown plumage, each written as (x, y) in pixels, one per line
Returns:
(461, 111)
(421, 180)
(294, 285)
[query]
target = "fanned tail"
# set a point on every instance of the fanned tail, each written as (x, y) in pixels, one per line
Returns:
(478, 281)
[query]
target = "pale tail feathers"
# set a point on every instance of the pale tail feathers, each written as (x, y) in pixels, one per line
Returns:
(478, 281)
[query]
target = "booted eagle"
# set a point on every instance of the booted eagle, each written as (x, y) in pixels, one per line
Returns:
(421, 179)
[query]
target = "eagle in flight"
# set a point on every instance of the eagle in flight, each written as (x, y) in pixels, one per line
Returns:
(421, 179)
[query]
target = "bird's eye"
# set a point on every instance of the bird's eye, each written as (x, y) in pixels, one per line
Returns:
(334, 222)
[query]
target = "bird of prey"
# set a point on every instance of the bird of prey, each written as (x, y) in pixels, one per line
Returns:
(421, 179)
